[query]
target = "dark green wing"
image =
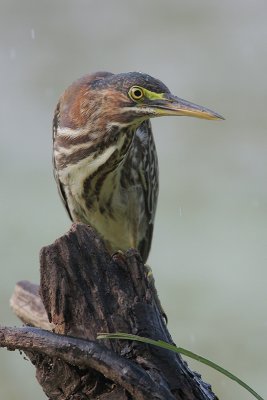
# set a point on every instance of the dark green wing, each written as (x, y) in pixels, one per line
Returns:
(149, 175)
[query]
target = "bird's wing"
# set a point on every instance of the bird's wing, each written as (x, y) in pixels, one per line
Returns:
(148, 171)
(55, 171)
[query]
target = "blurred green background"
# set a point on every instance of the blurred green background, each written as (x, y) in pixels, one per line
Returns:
(209, 252)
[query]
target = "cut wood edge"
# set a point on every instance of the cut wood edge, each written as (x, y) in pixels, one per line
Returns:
(26, 303)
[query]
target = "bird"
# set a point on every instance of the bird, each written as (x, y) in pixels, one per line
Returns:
(104, 156)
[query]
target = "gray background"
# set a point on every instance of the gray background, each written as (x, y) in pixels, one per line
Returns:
(209, 249)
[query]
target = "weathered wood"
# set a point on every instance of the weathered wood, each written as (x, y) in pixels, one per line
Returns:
(85, 354)
(28, 306)
(85, 292)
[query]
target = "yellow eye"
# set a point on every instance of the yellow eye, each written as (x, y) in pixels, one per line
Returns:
(136, 93)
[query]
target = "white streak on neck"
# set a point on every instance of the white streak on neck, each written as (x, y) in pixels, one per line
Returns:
(75, 174)
(70, 132)
(101, 158)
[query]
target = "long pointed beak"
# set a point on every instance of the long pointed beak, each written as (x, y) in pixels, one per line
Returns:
(172, 105)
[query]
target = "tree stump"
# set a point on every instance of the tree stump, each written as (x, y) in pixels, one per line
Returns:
(84, 291)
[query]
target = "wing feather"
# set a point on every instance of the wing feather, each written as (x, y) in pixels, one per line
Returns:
(149, 175)
(60, 187)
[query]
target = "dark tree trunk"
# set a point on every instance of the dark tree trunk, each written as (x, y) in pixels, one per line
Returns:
(85, 292)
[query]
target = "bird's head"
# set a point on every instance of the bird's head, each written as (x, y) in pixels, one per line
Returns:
(104, 99)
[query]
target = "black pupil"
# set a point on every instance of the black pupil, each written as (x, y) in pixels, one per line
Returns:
(137, 93)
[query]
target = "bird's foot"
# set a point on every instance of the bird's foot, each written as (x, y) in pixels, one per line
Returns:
(119, 257)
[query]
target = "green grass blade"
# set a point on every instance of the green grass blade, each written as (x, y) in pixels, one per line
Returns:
(180, 350)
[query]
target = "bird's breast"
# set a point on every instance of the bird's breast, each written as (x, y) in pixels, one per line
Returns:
(97, 194)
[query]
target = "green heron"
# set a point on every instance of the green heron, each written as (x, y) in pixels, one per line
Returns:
(105, 160)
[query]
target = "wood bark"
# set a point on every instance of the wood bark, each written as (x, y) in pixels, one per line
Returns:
(84, 291)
